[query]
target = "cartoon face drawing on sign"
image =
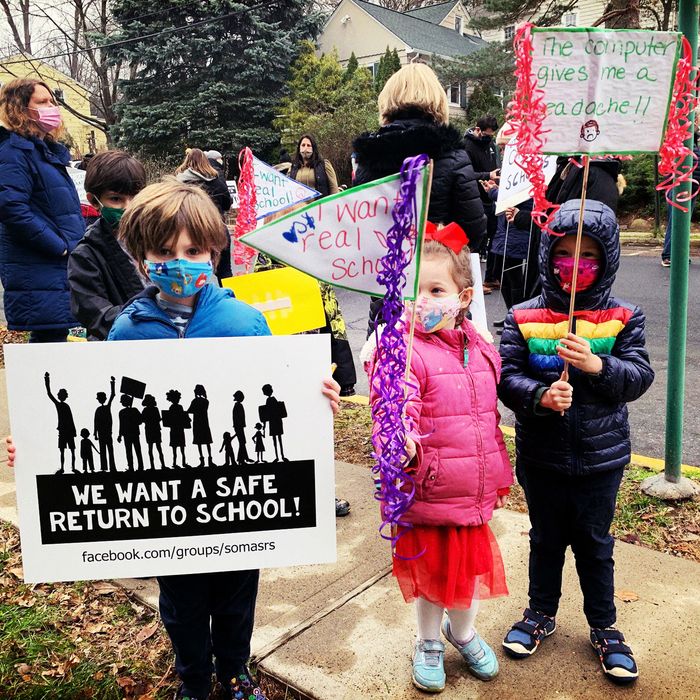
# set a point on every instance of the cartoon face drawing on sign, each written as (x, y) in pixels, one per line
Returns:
(590, 130)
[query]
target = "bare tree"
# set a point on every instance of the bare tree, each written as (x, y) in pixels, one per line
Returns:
(406, 5)
(18, 17)
(620, 14)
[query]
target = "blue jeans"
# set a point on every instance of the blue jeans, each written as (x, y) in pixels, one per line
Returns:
(666, 251)
(578, 511)
(207, 614)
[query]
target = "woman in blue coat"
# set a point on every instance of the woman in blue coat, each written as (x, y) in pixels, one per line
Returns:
(40, 220)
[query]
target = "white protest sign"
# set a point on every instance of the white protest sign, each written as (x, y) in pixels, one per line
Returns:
(607, 91)
(78, 177)
(478, 305)
(274, 191)
(233, 191)
(238, 397)
(341, 239)
(514, 186)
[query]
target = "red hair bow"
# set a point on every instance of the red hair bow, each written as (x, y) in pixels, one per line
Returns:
(452, 236)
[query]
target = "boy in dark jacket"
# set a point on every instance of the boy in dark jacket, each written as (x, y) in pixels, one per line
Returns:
(572, 437)
(101, 274)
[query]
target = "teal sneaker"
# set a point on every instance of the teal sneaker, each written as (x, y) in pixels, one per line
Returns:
(478, 655)
(428, 665)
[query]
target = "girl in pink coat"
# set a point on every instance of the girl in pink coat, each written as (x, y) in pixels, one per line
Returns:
(449, 559)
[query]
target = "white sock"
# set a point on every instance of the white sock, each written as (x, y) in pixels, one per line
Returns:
(462, 622)
(429, 618)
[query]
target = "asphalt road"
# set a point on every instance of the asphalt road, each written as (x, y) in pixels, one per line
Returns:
(641, 280)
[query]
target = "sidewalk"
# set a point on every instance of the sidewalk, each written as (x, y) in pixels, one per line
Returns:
(342, 631)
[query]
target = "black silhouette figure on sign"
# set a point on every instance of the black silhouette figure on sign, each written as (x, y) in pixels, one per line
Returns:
(177, 421)
(239, 427)
(86, 448)
(102, 430)
(258, 440)
(150, 417)
(271, 416)
(201, 432)
(227, 449)
(66, 426)
(129, 422)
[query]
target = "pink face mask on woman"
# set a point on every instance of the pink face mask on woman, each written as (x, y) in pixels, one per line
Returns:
(48, 118)
(563, 269)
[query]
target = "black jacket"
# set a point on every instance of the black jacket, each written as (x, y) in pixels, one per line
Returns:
(454, 195)
(102, 279)
(215, 187)
(593, 435)
(602, 182)
(483, 153)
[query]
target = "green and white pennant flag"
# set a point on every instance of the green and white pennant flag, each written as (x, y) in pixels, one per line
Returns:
(341, 239)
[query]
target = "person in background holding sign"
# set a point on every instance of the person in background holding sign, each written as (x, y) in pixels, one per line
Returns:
(309, 168)
(175, 233)
(40, 217)
(414, 115)
(572, 436)
(486, 159)
(448, 558)
(101, 274)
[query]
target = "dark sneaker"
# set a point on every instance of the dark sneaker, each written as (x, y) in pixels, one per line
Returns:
(348, 390)
(615, 656)
(342, 508)
(181, 694)
(665, 262)
(525, 636)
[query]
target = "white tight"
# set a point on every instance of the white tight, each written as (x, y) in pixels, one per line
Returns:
(430, 615)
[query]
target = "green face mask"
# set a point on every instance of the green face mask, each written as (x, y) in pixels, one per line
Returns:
(112, 215)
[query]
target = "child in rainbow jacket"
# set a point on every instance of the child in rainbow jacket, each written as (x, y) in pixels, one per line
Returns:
(572, 437)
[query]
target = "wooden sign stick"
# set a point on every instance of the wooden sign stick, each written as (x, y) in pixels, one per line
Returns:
(577, 255)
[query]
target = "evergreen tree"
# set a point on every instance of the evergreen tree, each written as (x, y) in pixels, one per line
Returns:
(389, 63)
(215, 84)
(350, 69)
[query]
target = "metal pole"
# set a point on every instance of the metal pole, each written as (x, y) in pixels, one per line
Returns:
(678, 293)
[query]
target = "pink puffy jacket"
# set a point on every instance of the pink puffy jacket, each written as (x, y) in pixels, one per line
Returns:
(461, 461)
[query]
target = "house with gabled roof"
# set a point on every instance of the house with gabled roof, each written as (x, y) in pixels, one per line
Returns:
(366, 29)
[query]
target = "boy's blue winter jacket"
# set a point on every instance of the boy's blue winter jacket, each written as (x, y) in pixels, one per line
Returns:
(593, 435)
(40, 224)
(217, 314)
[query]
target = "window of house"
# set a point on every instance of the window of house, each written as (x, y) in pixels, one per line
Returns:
(458, 24)
(454, 93)
(374, 69)
(569, 19)
(509, 32)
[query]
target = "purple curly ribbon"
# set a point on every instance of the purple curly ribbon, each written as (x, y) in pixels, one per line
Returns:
(396, 487)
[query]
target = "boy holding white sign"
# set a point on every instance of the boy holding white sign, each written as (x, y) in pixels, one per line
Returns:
(175, 233)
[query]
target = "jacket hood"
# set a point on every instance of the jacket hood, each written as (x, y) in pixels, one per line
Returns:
(192, 176)
(387, 148)
(600, 223)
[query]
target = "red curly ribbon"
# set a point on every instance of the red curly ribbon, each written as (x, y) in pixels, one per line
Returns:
(673, 152)
(246, 220)
(528, 110)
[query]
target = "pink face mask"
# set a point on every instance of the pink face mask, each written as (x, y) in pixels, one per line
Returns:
(48, 118)
(563, 269)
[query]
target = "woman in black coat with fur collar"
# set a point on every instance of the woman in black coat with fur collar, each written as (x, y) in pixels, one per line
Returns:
(414, 115)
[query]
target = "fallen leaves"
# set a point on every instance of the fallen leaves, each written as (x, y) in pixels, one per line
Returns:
(626, 596)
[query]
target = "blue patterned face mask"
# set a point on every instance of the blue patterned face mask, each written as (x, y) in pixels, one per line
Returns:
(179, 278)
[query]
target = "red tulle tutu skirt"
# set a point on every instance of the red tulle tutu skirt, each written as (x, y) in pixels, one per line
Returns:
(457, 565)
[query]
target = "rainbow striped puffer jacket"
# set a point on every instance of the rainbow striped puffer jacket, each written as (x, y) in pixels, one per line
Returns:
(593, 435)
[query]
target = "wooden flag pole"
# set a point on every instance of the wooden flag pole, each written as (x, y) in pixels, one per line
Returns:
(577, 255)
(412, 329)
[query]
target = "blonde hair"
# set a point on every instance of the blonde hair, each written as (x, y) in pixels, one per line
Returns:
(413, 88)
(161, 211)
(197, 161)
(460, 267)
(14, 108)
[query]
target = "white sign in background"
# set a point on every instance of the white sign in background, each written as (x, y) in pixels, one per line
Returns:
(514, 187)
(275, 191)
(292, 517)
(606, 91)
